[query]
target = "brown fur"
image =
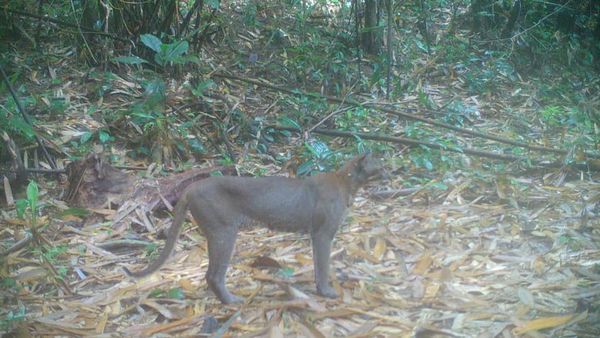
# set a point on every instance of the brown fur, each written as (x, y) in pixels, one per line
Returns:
(221, 205)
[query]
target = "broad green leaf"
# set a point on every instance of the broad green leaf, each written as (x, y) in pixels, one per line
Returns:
(318, 148)
(131, 60)
(151, 42)
(288, 122)
(103, 136)
(176, 50)
(305, 168)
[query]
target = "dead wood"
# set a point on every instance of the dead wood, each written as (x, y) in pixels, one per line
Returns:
(407, 141)
(17, 173)
(95, 184)
(377, 106)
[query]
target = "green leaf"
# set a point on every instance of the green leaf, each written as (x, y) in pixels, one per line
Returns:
(201, 87)
(318, 149)
(175, 293)
(176, 50)
(131, 60)
(32, 196)
(156, 293)
(428, 164)
(21, 206)
(151, 42)
(288, 122)
(103, 136)
(85, 137)
(286, 272)
(305, 168)
(214, 4)
(439, 186)
(79, 212)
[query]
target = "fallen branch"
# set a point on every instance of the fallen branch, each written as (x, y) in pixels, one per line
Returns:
(407, 141)
(377, 106)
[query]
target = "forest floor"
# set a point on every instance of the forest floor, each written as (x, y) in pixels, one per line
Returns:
(404, 267)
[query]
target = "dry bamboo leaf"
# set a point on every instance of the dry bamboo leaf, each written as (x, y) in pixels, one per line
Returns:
(67, 327)
(30, 274)
(293, 292)
(186, 285)
(525, 297)
(379, 249)
(423, 264)
(160, 308)
(541, 323)
(431, 290)
(167, 326)
(101, 326)
(276, 331)
(364, 330)
(354, 250)
(336, 313)
(303, 259)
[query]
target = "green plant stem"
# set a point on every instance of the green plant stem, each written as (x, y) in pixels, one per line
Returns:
(38, 139)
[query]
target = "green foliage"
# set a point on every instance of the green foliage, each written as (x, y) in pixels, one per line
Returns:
(425, 157)
(422, 157)
(200, 88)
(250, 14)
(52, 254)
(486, 75)
(286, 272)
(456, 113)
(151, 251)
(553, 115)
(29, 204)
(166, 54)
(353, 119)
(78, 212)
(8, 322)
(320, 157)
(174, 293)
(10, 120)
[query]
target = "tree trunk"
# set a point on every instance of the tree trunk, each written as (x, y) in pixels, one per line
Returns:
(370, 35)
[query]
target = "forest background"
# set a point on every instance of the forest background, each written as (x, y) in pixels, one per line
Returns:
(485, 112)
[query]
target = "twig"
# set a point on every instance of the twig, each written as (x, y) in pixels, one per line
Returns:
(407, 141)
(335, 112)
(17, 246)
